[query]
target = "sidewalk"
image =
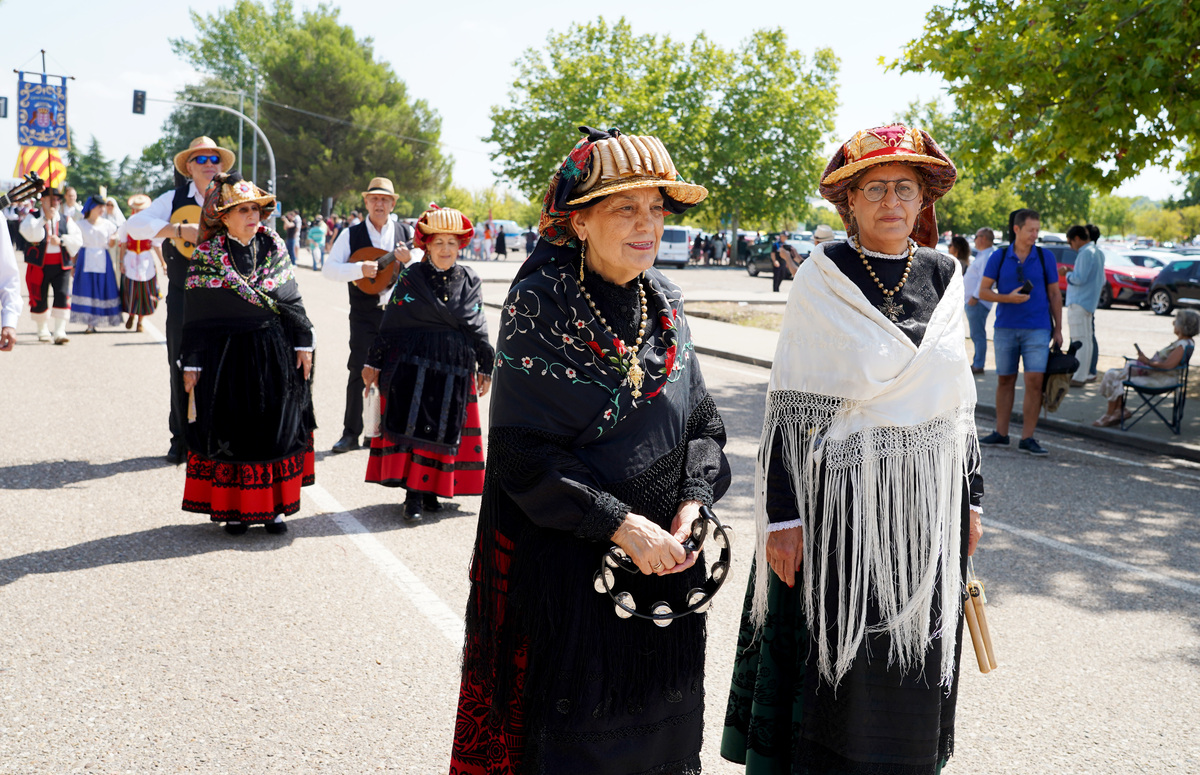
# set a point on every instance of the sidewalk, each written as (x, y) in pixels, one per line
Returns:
(1082, 405)
(756, 346)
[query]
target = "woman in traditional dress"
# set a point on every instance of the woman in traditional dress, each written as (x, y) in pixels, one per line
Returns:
(247, 354)
(431, 360)
(95, 299)
(867, 489)
(139, 281)
(601, 433)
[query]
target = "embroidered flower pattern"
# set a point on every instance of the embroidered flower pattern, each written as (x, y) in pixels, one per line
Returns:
(212, 267)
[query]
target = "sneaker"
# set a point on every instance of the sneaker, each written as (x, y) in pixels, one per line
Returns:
(994, 439)
(1031, 446)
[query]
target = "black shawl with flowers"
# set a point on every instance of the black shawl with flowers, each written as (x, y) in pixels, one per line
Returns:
(241, 329)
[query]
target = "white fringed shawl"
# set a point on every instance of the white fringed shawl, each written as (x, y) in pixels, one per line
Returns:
(893, 424)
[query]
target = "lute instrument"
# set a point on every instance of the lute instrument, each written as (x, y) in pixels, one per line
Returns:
(388, 266)
(30, 186)
(185, 214)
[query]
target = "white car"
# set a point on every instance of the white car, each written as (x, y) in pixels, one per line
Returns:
(675, 246)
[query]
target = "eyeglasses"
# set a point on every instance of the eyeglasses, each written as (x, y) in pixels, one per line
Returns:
(213, 159)
(246, 209)
(906, 190)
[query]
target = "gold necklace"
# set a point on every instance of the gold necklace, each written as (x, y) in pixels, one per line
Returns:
(633, 367)
(890, 307)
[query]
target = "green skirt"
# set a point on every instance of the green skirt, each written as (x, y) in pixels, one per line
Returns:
(775, 685)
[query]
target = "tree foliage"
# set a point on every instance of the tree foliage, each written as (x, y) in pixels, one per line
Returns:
(1096, 91)
(749, 124)
(336, 116)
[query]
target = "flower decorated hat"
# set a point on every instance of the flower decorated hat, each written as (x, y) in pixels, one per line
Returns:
(891, 144)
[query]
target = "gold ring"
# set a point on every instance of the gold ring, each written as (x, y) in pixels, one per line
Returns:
(657, 566)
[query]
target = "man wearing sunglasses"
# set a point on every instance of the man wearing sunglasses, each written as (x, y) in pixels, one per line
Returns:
(196, 167)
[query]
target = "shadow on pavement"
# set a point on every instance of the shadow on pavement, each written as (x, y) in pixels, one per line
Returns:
(52, 474)
(161, 543)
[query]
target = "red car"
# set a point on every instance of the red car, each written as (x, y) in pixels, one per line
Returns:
(1128, 283)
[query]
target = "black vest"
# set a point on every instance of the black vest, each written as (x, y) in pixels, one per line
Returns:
(35, 254)
(361, 238)
(177, 263)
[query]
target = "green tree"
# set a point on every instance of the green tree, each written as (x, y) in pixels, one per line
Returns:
(335, 116)
(748, 124)
(1190, 220)
(1097, 91)
(762, 156)
(1113, 214)
(90, 170)
(603, 76)
(1162, 225)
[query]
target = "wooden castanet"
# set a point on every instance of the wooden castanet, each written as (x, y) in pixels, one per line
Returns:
(185, 214)
(387, 269)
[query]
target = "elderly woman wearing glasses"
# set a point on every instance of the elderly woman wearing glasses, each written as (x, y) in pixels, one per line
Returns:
(867, 488)
(602, 433)
(247, 357)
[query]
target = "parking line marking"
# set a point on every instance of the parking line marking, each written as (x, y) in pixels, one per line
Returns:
(154, 332)
(444, 620)
(1126, 461)
(1102, 559)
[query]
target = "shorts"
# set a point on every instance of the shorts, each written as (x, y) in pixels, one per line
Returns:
(1030, 345)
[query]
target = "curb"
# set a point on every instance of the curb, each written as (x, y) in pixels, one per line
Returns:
(1115, 437)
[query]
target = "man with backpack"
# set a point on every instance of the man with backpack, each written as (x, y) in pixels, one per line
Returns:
(1022, 281)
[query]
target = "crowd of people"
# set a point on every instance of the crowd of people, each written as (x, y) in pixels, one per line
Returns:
(868, 483)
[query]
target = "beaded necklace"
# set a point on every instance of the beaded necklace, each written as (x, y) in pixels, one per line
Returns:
(890, 307)
(633, 367)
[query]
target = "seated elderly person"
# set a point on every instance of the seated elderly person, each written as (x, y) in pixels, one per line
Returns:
(1149, 371)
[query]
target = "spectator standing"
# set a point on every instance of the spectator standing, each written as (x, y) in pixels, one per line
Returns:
(977, 309)
(1084, 284)
(962, 251)
(823, 233)
(718, 248)
(1028, 318)
(70, 204)
(501, 245)
(316, 241)
(290, 231)
(530, 240)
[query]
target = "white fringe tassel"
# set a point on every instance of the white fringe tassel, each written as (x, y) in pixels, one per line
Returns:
(887, 525)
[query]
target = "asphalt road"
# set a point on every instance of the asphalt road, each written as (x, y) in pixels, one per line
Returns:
(136, 638)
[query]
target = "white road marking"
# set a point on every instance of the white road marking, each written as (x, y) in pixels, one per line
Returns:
(154, 332)
(719, 364)
(1126, 461)
(446, 621)
(1087, 554)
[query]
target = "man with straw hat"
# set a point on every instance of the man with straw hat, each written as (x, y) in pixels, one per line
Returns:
(379, 231)
(169, 217)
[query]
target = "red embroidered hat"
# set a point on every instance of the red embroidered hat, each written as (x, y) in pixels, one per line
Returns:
(892, 144)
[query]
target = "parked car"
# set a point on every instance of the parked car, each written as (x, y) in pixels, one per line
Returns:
(759, 257)
(1186, 251)
(1178, 284)
(1154, 258)
(675, 247)
(1128, 283)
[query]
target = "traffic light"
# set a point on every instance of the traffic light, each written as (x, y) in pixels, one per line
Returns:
(139, 101)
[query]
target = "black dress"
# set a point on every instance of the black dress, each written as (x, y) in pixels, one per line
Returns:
(782, 718)
(250, 442)
(553, 681)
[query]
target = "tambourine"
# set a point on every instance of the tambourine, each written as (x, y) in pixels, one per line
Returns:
(698, 598)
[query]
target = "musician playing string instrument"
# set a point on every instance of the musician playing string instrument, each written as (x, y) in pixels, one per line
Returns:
(174, 217)
(345, 264)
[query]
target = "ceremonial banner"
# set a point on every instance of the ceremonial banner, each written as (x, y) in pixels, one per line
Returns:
(41, 112)
(46, 162)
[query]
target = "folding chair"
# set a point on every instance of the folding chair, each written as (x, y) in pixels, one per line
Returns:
(1154, 397)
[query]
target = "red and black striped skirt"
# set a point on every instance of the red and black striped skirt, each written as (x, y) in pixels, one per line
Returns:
(247, 492)
(422, 470)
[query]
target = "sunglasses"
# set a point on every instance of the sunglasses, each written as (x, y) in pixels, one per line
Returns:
(213, 159)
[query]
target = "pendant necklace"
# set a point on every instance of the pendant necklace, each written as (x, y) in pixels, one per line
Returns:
(633, 367)
(891, 308)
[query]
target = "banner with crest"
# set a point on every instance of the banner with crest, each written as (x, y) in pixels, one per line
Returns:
(42, 111)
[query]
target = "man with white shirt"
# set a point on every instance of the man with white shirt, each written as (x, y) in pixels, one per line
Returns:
(197, 165)
(53, 239)
(379, 230)
(976, 308)
(70, 204)
(10, 291)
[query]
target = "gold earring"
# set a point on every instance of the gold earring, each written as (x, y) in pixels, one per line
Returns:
(582, 258)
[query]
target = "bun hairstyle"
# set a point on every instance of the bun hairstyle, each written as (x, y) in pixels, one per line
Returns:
(1093, 232)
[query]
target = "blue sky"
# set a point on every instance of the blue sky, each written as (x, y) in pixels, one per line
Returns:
(457, 56)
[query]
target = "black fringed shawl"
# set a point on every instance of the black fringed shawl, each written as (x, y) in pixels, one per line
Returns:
(564, 422)
(432, 340)
(243, 317)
